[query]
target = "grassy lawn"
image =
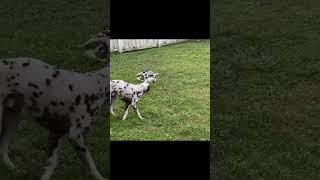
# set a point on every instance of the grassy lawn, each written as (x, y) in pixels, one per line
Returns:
(177, 105)
(50, 31)
(266, 68)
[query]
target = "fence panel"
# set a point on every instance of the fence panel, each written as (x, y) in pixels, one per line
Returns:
(122, 45)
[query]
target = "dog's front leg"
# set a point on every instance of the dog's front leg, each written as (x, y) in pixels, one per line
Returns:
(135, 107)
(112, 101)
(53, 150)
(126, 112)
(10, 121)
(78, 143)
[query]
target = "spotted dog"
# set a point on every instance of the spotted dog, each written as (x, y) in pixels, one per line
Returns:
(97, 46)
(64, 102)
(131, 93)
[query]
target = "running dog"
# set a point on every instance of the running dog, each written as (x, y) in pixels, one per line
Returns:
(131, 93)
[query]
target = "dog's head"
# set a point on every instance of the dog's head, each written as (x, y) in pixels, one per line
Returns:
(98, 46)
(147, 76)
(145, 87)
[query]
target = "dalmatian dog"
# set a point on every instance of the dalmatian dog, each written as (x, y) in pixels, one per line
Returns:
(67, 103)
(97, 46)
(131, 93)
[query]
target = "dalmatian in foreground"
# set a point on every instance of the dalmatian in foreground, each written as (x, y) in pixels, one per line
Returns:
(130, 93)
(65, 102)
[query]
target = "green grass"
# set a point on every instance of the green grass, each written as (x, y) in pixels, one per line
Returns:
(177, 105)
(50, 31)
(266, 69)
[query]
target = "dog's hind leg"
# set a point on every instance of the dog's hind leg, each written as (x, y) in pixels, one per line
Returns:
(78, 142)
(53, 150)
(10, 121)
(112, 101)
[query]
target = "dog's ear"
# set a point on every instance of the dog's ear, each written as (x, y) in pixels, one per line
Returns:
(139, 76)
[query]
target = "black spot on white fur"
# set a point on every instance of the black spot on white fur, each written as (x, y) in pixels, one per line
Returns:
(54, 103)
(5, 62)
(78, 99)
(25, 64)
(48, 81)
(55, 74)
(33, 85)
(70, 87)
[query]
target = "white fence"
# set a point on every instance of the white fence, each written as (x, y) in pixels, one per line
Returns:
(122, 45)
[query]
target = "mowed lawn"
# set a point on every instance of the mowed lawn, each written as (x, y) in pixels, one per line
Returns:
(177, 105)
(51, 31)
(266, 69)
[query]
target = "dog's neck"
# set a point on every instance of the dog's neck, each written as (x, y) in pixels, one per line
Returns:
(102, 72)
(146, 81)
